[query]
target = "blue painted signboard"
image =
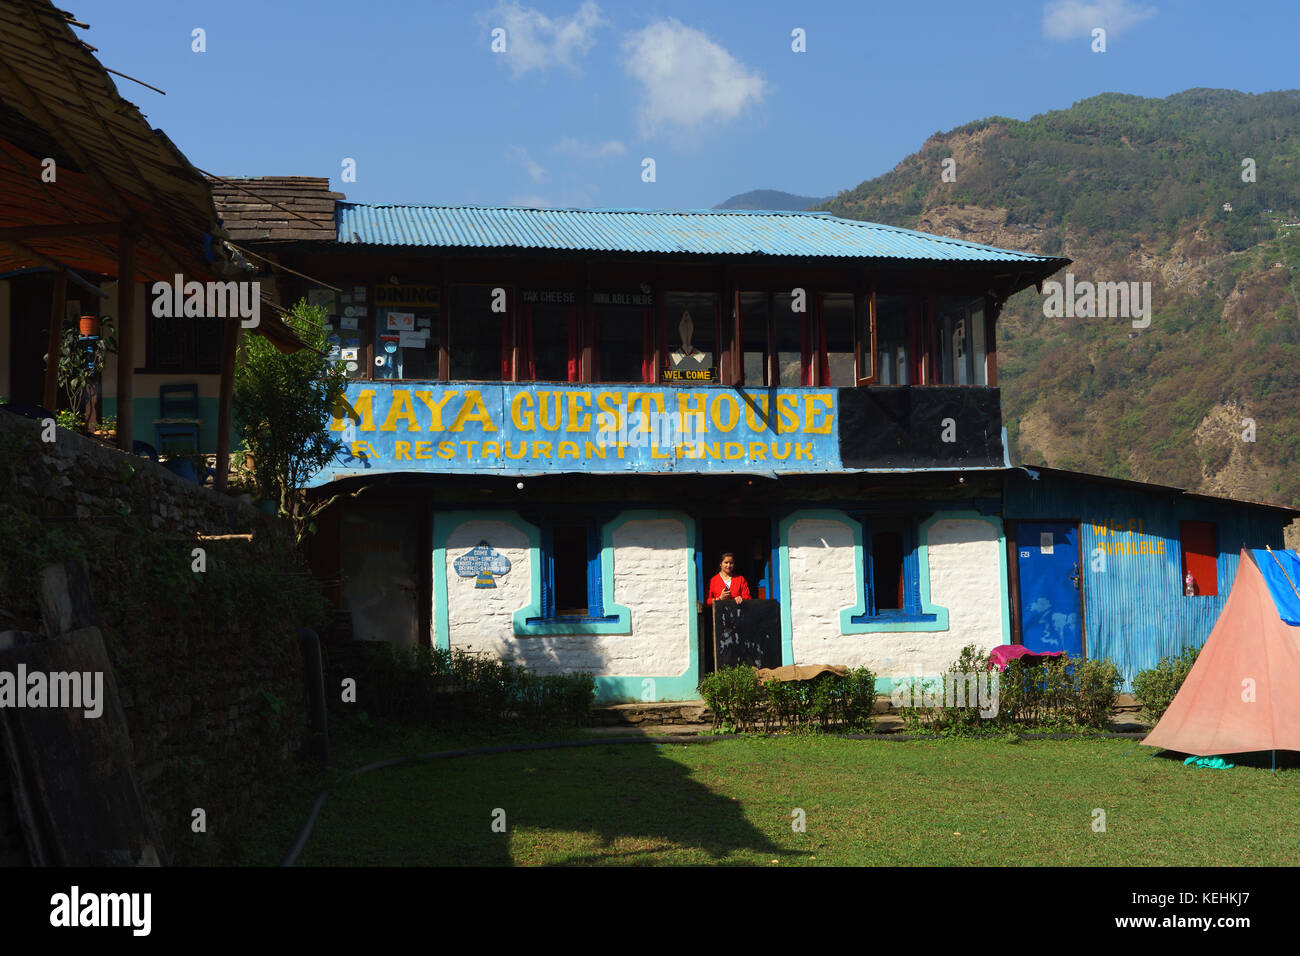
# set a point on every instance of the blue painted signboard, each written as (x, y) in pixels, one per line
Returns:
(526, 429)
(1050, 597)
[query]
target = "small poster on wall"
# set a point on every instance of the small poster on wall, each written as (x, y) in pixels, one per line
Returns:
(348, 322)
(321, 297)
(412, 340)
(401, 321)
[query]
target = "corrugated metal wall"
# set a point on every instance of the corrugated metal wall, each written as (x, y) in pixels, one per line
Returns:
(1134, 609)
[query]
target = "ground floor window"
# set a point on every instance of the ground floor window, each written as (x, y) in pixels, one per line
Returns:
(891, 571)
(571, 576)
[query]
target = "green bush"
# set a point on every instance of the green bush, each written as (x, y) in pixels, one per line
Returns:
(426, 683)
(733, 694)
(1054, 694)
(1154, 689)
(740, 703)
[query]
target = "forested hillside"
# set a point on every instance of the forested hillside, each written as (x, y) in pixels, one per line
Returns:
(1134, 190)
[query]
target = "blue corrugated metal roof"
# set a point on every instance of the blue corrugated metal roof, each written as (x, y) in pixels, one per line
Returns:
(705, 232)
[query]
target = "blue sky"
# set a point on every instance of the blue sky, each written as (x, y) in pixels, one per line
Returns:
(585, 91)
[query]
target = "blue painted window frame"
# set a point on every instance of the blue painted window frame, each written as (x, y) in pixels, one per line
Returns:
(911, 609)
(595, 577)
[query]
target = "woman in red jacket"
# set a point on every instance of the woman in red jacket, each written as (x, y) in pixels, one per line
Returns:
(726, 583)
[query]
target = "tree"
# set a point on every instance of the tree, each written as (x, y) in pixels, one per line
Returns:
(282, 404)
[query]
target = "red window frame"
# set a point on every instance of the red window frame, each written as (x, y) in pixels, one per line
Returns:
(1199, 547)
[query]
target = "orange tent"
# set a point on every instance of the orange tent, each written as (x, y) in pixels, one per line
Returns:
(1243, 692)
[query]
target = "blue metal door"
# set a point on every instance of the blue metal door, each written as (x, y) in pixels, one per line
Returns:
(1051, 599)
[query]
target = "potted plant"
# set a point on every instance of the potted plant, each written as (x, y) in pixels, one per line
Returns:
(81, 362)
(89, 326)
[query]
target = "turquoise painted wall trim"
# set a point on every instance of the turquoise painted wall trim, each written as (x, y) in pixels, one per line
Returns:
(683, 686)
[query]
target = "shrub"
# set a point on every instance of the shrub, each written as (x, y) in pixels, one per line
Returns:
(1155, 688)
(426, 683)
(739, 702)
(732, 693)
(1053, 694)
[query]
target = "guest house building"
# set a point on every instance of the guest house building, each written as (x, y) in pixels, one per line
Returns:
(557, 420)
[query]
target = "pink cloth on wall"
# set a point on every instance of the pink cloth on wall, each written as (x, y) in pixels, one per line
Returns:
(1001, 655)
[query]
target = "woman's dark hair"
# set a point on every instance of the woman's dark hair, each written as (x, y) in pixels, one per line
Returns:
(725, 554)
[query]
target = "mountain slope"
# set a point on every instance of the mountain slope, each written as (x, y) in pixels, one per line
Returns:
(1133, 189)
(770, 199)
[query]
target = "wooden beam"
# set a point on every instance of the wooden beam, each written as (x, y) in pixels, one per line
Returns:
(444, 333)
(125, 341)
(588, 327)
(58, 311)
(54, 264)
(60, 230)
(36, 110)
(992, 308)
(229, 353)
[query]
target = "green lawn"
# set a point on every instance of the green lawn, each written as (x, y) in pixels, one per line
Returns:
(940, 802)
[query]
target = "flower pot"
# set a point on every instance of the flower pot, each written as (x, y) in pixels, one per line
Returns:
(89, 326)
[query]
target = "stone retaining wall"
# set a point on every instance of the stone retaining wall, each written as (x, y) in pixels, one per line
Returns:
(215, 712)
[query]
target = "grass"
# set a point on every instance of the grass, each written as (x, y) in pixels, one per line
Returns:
(941, 802)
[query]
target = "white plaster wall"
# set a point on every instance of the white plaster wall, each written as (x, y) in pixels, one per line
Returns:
(482, 619)
(650, 578)
(964, 560)
(822, 581)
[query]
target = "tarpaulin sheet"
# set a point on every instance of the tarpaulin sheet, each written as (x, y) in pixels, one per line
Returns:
(1281, 570)
(1243, 692)
(1003, 654)
(798, 672)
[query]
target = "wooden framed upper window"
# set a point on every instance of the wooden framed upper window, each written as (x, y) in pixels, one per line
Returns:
(481, 340)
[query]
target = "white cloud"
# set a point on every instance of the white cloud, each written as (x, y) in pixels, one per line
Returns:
(532, 201)
(518, 154)
(579, 197)
(576, 147)
(687, 80)
(535, 41)
(1072, 19)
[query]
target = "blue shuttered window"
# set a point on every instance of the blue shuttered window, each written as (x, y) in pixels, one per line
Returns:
(571, 573)
(891, 567)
